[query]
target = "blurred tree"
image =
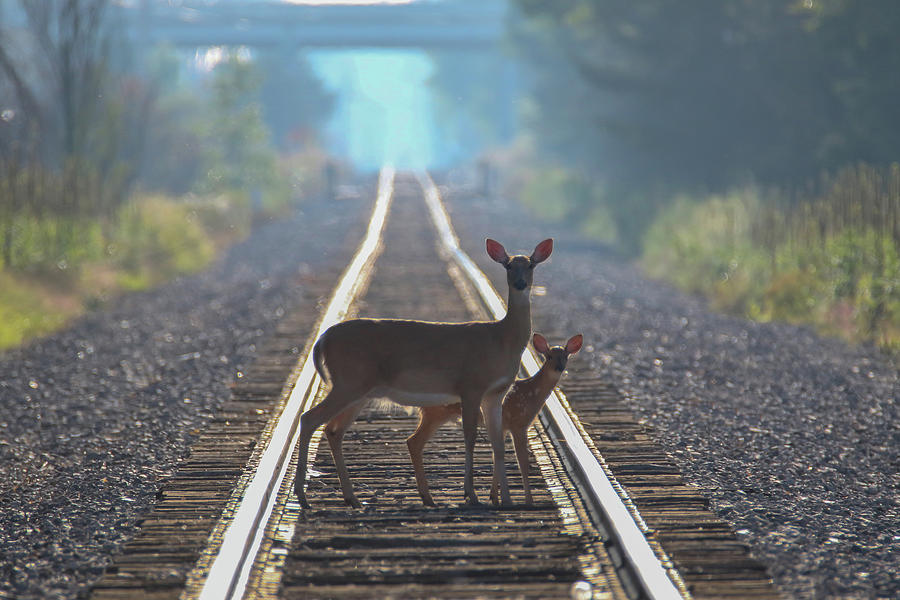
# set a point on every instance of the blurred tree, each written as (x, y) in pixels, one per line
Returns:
(474, 93)
(295, 105)
(57, 65)
(173, 160)
(712, 92)
(74, 112)
(236, 142)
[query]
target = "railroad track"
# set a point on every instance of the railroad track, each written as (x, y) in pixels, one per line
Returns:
(228, 526)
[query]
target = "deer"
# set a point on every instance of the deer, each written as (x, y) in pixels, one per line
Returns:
(421, 363)
(521, 405)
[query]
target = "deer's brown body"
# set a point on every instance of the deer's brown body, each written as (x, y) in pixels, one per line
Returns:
(520, 407)
(420, 363)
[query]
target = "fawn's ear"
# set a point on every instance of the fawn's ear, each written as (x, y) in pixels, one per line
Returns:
(574, 344)
(496, 251)
(540, 344)
(542, 251)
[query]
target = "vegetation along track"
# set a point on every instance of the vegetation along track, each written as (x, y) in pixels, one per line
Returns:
(584, 527)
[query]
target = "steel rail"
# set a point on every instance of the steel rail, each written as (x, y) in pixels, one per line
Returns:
(230, 569)
(650, 572)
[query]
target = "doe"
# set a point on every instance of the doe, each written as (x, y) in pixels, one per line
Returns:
(521, 405)
(419, 363)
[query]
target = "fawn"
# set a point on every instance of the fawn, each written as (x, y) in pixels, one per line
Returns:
(418, 363)
(521, 405)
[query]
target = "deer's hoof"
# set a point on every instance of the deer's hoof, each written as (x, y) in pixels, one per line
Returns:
(472, 501)
(353, 502)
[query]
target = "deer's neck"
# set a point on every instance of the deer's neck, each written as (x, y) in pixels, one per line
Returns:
(531, 393)
(546, 378)
(517, 322)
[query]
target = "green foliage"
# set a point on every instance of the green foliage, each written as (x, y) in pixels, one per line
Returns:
(237, 149)
(40, 245)
(795, 296)
(79, 143)
(226, 217)
(865, 271)
(223, 137)
(149, 241)
(159, 239)
(832, 262)
(704, 247)
(556, 194)
(26, 310)
(711, 94)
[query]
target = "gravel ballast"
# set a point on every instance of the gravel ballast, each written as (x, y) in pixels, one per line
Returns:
(94, 418)
(795, 438)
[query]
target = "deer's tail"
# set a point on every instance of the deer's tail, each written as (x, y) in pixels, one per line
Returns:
(318, 359)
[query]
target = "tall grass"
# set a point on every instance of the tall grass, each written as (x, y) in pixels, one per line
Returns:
(826, 255)
(54, 266)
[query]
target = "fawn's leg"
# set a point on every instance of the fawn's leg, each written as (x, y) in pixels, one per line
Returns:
(520, 443)
(430, 420)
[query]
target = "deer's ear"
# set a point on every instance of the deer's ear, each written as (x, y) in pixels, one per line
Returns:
(540, 343)
(542, 251)
(496, 251)
(574, 344)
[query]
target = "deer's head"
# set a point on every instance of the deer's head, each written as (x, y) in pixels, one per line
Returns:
(556, 357)
(519, 268)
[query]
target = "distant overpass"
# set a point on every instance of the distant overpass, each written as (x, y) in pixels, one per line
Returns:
(420, 24)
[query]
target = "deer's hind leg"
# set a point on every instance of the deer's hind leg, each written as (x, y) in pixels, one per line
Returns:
(342, 397)
(334, 431)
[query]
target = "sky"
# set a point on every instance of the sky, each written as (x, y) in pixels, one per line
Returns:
(384, 108)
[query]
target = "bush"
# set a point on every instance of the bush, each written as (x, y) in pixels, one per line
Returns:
(224, 217)
(704, 247)
(822, 263)
(865, 270)
(561, 195)
(159, 239)
(27, 310)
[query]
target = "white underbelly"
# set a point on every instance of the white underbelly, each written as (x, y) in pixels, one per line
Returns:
(413, 398)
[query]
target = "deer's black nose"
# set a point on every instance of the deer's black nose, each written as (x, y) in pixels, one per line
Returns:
(520, 284)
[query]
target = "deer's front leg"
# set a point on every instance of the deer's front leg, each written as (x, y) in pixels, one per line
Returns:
(492, 409)
(471, 405)
(430, 420)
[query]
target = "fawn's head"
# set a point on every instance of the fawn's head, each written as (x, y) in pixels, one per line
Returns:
(556, 357)
(519, 268)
